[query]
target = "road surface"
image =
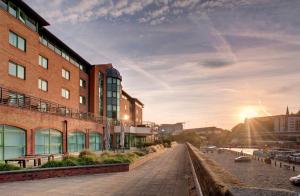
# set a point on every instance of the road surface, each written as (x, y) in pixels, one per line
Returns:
(164, 175)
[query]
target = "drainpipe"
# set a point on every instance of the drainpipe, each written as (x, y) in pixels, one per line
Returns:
(66, 130)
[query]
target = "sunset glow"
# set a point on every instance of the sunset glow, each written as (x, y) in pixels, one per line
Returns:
(248, 112)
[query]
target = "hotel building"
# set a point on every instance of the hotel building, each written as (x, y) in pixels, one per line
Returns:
(52, 100)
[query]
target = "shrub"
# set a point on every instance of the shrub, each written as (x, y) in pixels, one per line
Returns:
(86, 152)
(71, 157)
(139, 153)
(53, 164)
(69, 162)
(8, 167)
(87, 160)
(112, 160)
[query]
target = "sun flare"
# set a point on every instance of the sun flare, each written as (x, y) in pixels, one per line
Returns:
(248, 112)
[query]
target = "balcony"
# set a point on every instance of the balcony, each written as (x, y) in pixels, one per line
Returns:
(15, 99)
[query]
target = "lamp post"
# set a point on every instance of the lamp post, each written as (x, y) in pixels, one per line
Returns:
(122, 132)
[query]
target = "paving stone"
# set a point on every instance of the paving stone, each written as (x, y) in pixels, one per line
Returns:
(164, 175)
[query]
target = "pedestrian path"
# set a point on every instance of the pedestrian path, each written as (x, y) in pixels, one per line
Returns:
(165, 175)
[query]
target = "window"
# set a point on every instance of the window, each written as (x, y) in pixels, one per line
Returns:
(65, 74)
(16, 99)
(43, 62)
(82, 100)
(48, 141)
(22, 17)
(43, 85)
(95, 141)
(76, 141)
(12, 9)
(16, 70)
(17, 41)
(82, 83)
(65, 93)
(3, 4)
(13, 142)
(81, 67)
(298, 125)
(43, 107)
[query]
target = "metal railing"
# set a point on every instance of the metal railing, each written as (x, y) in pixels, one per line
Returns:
(20, 100)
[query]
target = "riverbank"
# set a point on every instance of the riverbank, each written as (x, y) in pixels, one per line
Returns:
(256, 173)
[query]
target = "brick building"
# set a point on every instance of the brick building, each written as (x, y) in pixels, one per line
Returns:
(52, 100)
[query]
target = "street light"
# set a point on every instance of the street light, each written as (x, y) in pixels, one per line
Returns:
(122, 132)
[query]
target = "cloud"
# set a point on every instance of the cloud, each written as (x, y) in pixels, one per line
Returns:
(217, 63)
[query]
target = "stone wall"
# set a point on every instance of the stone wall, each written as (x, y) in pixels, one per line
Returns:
(211, 183)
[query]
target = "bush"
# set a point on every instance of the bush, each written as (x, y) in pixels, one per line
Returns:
(87, 160)
(139, 153)
(112, 160)
(54, 163)
(8, 167)
(71, 157)
(86, 152)
(69, 162)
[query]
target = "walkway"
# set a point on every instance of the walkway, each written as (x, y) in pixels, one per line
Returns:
(165, 175)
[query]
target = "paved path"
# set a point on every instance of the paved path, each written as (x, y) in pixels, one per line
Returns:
(164, 175)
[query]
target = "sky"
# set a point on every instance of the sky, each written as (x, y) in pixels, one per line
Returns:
(202, 62)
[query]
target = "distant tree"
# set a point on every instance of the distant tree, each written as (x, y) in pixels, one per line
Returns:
(191, 137)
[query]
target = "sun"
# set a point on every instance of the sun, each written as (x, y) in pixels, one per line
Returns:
(248, 112)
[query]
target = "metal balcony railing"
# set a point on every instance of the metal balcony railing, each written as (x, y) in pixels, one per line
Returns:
(20, 100)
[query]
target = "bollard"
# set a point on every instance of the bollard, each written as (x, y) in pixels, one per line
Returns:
(279, 164)
(293, 167)
(275, 163)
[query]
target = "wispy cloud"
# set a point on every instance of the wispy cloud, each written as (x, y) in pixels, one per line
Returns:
(193, 60)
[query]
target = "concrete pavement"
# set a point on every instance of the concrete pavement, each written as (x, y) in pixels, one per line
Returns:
(165, 175)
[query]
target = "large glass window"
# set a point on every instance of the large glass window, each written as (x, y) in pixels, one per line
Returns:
(48, 141)
(76, 141)
(16, 70)
(17, 41)
(100, 93)
(95, 141)
(113, 98)
(43, 62)
(12, 142)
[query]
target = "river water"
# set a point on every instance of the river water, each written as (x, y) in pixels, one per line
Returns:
(248, 151)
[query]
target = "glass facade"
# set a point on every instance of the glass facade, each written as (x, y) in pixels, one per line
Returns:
(76, 141)
(100, 93)
(130, 140)
(95, 141)
(48, 141)
(12, 142)
(113, 98)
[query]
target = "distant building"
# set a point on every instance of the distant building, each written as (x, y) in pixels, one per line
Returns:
(206, 130)
(275, 127)
(171, 128)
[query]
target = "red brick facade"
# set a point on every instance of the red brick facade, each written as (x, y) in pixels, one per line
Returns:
(62, 114)
(131, 108)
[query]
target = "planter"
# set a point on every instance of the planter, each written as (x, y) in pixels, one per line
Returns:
(43, 173)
